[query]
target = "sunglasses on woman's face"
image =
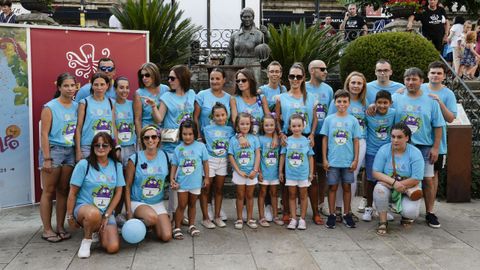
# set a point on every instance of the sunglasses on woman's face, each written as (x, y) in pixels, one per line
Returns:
(295, 77)
(153, 137)
(171, 78)
(101, 145)
(146, 75)
(107, 69)
(241, 81)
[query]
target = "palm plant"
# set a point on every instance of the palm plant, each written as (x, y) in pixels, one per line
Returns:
(299, 43)
(170, 36)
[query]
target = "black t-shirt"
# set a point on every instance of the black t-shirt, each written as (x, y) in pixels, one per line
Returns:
(433, 22)
(353, 27)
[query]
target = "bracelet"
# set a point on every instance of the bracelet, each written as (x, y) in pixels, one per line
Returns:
(394, 181)
(45, 159)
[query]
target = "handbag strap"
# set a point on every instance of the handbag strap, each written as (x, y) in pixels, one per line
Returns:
(393, 164)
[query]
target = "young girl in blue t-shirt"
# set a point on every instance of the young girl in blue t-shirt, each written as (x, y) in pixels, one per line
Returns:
(268, 174)
(189, 165)
(246, 164)
(297, 159)
(216, 137)
(124, 120)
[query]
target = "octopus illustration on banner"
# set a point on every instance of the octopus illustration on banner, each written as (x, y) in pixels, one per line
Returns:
(85, 61)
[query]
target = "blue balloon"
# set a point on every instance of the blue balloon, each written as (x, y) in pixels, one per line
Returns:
(133, 231)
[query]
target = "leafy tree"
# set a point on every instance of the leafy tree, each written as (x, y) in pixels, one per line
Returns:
(170, 36)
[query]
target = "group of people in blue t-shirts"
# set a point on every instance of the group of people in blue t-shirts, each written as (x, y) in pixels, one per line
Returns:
(108, 159)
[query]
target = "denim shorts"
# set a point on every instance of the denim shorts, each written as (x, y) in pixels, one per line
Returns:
(369, 167)
(111, 219)
(60, 155)
(425, 149)
(126, 152)
(339, 176)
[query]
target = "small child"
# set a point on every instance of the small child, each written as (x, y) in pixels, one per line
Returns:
(191, 157)
(378, 133)
(246, 164)
(468, 63)
(297, 159)
(268, 171)
(340, 155)
(217, 137)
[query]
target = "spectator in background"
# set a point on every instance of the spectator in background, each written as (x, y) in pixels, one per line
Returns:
(353, 24)
(7, 15)
(327, 23)
(455, 39)
(107, 66)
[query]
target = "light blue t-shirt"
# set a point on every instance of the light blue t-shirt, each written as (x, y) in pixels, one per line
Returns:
(269, 159)
(217, 139)
(84, 92)
(357, 109)
(206, 100)
(147, 118)
(255, 110)
(179, 109)
(244, 157)
(297, 153)
(323, 95)
(148, 185)
(125, 123)
(448, 98)
(189, 161)
(373, 87)
(340, 132)
(64, 123)
(421, 114)
(98, 118)
(271, 94)
(97, 187)
(291, 105)
(379, 128)
(410, 164)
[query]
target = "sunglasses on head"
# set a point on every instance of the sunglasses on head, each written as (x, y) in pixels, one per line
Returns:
(107, 69)
(153, 137)
(241, 81)
(146, 75)
(171, 78)
(101, 145)
(295, 77)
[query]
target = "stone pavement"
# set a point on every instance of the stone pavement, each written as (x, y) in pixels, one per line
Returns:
(456, 245)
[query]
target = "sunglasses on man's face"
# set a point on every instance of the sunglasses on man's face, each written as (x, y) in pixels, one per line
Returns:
(107, 69)
(101, 145)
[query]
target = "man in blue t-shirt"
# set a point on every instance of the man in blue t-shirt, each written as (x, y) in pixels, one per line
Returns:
(107, 66)
(383, 71)
(423, 116)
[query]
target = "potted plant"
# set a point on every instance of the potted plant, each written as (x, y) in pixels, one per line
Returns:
(404, 8)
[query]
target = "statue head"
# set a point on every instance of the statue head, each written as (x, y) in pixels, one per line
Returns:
(247, 15)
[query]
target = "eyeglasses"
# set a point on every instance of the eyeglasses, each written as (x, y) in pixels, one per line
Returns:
(322, 69)
(241, 81)
(146, 75)
(295, 77)
(107, 69)
(171, 78)
(101, 145)
(153, 137)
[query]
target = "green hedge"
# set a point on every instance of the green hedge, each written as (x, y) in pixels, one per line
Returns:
(402, 49)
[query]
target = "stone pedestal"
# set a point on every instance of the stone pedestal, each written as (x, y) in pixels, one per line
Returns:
(36, 18)
(400, 25)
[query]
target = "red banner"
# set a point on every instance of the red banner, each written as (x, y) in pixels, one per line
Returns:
(77, 51)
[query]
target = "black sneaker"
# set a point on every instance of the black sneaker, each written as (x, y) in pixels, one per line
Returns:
(348, 221)
(330, 222)
(432, 220)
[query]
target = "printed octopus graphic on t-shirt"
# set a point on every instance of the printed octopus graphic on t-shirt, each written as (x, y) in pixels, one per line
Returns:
(412, 122)
(68, 132)
(243, 157)
(102, 125)
(321, 111)
(382, 132)
(124, 131)
(188, 166)
(270, 158)
(102, 196)
(340, 137)
(151, 187)
(295, 159)
(219, 147)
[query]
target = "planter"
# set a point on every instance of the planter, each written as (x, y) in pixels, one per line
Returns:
(400, 12)
(36, 5)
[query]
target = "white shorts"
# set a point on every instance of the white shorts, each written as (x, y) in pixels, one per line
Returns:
(159, 208)
(196, 191)
(239, 180)
(429, 169)
(269, 182)
(297, 183)
(217, 166)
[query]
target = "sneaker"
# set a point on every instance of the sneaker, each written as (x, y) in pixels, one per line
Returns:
(244, 214)
(238, 224)
(331, 220)
(95, 238)
(278, 221)
(390, 217)
(252, 224)
(219, 222)
(84, 251)
(223, 215)
(268, 213)
(264, 223)
(302, 225)
(348, 221)
(362, 205)
(292, 225)
(367, 214)
(208, 224)
(432, 220)
(210, 211)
